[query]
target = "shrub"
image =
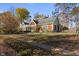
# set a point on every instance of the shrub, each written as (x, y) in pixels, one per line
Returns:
(65, 28)
(9, 23)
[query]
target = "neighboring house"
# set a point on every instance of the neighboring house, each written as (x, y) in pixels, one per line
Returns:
(28, 26)
(25, 27)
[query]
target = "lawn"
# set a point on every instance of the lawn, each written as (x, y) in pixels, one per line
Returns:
(43, 43)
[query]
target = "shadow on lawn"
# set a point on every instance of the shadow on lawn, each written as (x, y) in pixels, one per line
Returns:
(58, 41)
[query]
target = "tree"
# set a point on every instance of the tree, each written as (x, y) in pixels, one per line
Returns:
(75, 12)
(55, 12)
(8, 22)
(40, 16)
(22, 13)
(65, 7)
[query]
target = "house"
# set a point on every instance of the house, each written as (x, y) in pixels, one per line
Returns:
(50, 24)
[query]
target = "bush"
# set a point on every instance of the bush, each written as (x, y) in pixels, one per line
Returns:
(9, 24)
(65, 28)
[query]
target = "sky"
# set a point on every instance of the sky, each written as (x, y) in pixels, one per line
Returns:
(33, 8)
